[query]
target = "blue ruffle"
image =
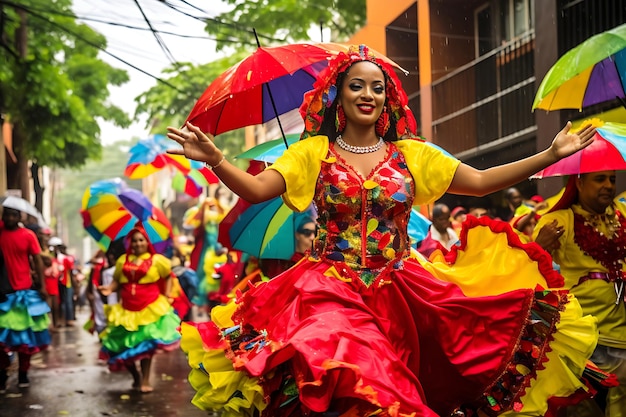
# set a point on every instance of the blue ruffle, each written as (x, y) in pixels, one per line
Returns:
(147, 346)
(15, 339)
(30, 299)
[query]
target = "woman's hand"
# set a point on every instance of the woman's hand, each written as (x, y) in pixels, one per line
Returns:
(196, 144)
(566, 143)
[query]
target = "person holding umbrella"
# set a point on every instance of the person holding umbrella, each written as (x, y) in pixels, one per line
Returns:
(360, 327)
(24, 310)
(591, 253)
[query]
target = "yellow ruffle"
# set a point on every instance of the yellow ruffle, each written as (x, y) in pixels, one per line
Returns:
(215, 381)
(573, 343)
(487, 266)
(132, 320)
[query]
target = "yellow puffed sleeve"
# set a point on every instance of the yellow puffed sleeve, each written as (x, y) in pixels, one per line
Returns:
(300, 166)
(119, 264)
(162, 264)
(432, 169)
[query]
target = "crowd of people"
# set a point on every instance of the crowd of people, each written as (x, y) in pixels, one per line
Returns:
(520, 313)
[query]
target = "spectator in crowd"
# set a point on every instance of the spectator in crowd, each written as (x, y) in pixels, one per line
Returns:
(591, 254)
(20, 304)
(440, 234)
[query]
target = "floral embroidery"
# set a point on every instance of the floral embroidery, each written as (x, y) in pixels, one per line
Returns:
(364, 220)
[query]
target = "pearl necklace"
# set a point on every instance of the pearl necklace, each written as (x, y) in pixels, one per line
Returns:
(359, 149)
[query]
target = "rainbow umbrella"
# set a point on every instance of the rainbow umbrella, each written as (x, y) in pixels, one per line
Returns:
(110, 209)
(150, 155)
(193, 182)
(607, 152)
(591, 73)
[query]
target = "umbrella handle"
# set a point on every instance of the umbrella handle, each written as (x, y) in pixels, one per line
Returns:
(269, 91)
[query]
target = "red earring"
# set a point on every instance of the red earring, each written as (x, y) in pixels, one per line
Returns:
(340, 119)
(382, 124)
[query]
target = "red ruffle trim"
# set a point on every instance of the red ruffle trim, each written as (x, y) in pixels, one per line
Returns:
(534, 251)
(528, 357)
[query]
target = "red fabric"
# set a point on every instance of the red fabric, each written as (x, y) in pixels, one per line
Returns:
(136, 297)
(311, 304)
(51, 275)
(16, 246)
(181, 305)
(429, 245)
(66, 264)
(228, 273)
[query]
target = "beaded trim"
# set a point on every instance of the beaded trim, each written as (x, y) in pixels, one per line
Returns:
(359, 149)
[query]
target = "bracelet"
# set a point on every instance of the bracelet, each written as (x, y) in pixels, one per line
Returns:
(218, 164)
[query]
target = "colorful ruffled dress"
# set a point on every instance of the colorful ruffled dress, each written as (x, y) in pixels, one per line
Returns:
(144, 320)
(24, 315)
(362, 328)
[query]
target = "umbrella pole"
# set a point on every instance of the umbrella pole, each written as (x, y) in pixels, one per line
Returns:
(269, 91)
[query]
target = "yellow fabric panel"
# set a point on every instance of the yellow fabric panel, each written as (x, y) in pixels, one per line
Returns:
(487, 266)
(132, 320)
(161, 267)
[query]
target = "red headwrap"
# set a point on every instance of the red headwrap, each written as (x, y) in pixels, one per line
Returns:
(138, 228)
(569, 197)
(324, 93)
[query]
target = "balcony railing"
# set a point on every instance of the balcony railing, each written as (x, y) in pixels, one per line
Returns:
(488, 101)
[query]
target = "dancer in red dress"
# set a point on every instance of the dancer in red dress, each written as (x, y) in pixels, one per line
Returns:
(360, 327)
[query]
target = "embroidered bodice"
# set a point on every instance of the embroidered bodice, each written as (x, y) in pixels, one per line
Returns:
(363, 221)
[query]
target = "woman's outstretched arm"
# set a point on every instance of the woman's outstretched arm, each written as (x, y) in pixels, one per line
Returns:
(199, 146)
(475, 182)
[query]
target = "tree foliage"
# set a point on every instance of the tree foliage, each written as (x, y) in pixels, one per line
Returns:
(284, 20)
(168, 104)
(53, 87)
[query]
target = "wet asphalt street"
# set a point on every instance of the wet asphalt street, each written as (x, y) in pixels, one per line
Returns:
(68, 380)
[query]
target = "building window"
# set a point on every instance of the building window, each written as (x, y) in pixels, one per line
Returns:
(483, 30)
(518, 17)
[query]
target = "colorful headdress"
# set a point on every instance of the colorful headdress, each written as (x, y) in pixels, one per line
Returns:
(317, 101)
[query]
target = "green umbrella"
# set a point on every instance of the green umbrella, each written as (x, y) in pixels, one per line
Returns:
(269, 151)
(591, 73)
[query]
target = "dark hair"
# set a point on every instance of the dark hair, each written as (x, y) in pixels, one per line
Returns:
(328, 127)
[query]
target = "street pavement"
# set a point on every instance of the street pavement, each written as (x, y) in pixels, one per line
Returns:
(68, 380)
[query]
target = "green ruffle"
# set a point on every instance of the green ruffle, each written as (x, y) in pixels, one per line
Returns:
(19, 320)
(165, 330)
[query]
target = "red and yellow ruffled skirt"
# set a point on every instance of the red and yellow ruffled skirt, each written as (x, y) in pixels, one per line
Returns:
(311, 342)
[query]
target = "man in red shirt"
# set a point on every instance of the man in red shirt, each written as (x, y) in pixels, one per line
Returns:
(22, 293)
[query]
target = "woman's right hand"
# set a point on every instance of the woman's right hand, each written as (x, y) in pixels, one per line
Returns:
(195, 144)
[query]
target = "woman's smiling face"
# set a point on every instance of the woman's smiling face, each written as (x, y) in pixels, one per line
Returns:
(138, 243)
(363, 93)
